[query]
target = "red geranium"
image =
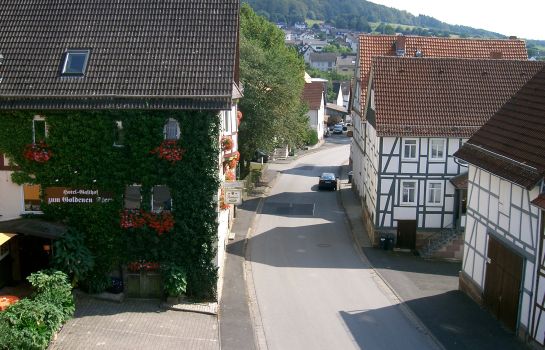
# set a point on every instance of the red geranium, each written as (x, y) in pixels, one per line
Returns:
(160, 222)
(227, 143)
(38, 152)
(143, 265)
(230, 175)
(169, 150)
(223, 205)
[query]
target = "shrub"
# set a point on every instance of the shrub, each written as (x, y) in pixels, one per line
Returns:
(72, 256)
(174, 279)
(31, 322)
(312, 138)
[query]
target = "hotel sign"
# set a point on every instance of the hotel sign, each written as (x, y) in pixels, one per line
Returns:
(63, 195)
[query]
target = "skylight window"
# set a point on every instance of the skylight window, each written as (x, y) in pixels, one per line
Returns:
(75, 62)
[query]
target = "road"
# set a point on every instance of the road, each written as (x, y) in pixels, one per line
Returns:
(314, 290)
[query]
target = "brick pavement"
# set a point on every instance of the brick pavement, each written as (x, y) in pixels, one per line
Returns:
(136, 324)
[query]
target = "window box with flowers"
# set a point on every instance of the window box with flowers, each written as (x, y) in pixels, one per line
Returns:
(231, 161)
(143, 280)
(38, 152)
(169, 150)
(161, 222)
(227, 143)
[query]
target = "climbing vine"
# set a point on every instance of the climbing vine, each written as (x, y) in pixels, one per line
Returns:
(84, 156)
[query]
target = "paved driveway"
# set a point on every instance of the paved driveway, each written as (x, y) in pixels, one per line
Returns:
(136, 324)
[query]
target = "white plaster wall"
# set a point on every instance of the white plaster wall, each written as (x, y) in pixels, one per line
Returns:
(10, 197)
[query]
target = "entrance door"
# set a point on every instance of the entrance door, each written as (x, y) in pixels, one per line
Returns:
(502, 283)
(406, 234)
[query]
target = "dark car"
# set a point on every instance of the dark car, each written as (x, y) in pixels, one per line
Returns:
(327, 181)
(260, 157)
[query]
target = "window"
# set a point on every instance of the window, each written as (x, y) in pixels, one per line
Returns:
(172, 129)
(410, 149)
(75, 62)
(119, 134)
(227, 121)
(132, 197)
(437, 149)
(435, 193)
(31, 197)
(408, 192)
(39, 129)
(160, 199)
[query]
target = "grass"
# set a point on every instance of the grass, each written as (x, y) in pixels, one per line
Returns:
(311, 22)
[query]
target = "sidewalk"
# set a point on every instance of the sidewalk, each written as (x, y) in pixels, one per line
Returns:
(429, 289)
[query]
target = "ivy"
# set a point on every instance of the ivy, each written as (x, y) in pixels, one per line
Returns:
(83, 156)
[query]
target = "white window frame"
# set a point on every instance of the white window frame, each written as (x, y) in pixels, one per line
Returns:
(38, 118)
(165, 131)
(119, 134)
(161, 210)
(227, 122)
(441, 193)
(437, 159)
(75, 52)
(401, 192)
(416, 149)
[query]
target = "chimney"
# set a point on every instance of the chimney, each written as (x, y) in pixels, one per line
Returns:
(400, 45)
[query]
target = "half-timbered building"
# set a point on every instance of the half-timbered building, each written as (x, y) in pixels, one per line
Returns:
(504, 258)
(419, 112)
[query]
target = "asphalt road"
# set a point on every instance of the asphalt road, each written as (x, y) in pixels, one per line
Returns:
(313, 289)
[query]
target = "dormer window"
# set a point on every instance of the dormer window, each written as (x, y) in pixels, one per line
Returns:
(75, 62)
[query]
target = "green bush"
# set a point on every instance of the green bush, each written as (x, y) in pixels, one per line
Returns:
(174, 280)
(312, 137)
(31, 322)
(72, 255)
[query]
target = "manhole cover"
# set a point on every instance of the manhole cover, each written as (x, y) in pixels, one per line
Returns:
(324, 245)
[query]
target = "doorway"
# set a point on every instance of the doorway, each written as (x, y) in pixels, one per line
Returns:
(406, 234)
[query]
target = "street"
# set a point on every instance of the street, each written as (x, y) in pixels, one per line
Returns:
(313, 289)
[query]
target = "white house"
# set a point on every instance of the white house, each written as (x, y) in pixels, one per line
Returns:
(504, 257)
(419, 112)
(324, 61)
(313, 95)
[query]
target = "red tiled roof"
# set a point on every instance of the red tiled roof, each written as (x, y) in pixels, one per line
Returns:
(385, 45)
(515, 135)
(442, 96)
(312, 94)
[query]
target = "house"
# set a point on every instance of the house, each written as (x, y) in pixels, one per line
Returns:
(346, 65)
(324, 61)
(116, 121)
(317, 45)
(314, 96)
(503, 266)
(419, 113)
(342, 88)
(300, 26)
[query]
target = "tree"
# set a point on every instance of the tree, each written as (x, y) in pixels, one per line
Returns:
(273, 79)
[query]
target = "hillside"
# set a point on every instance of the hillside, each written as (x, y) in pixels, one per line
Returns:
(356, 15)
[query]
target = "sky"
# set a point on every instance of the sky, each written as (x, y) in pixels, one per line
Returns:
(521, 18)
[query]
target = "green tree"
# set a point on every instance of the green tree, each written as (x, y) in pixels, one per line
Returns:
(273, 79)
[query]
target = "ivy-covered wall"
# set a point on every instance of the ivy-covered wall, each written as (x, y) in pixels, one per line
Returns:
(83, 156)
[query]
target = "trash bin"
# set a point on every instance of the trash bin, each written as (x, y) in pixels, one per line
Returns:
(390, 242)
(382, 242)
(350, 173)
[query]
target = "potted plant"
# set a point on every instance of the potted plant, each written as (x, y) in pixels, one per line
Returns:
(227, 143)
(38, 152)
(169, 150)
(174, 282)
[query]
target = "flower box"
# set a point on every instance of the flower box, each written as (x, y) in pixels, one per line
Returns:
(169, 150)
(38, 152)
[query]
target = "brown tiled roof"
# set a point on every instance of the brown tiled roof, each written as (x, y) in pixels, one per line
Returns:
(323, 57)
(443, 96)
(312, 94)
(385, 45)
(540, 201)
(143, 54)
(512, 143)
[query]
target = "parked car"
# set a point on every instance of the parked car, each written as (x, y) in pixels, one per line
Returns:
(327, 181)
(338, 129)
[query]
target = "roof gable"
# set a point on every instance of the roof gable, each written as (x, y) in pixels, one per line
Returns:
(313, 95)
(442, 96)
(512, 143)
(158, 54)
(385, 45)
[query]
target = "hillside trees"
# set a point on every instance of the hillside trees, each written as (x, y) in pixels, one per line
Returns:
(273, 80)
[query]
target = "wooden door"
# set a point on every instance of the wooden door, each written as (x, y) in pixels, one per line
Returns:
(406, 234)
(502, 283)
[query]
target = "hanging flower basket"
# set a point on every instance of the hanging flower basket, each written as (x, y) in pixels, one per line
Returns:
(169, 150)
(230, 175)
(223, 205)
(227, 143)
(38, 152)
(232, 161)
(143, 265)
(160, 222)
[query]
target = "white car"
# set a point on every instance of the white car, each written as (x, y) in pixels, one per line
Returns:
(338, 129)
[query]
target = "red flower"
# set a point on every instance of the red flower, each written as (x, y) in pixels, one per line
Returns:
(143, 265)
(38, 152)
(160, 222)
(132, 219)
(169, 150)
(223, 205)
(227, 143)
(230, 175)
